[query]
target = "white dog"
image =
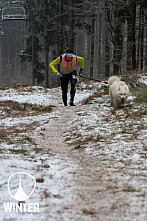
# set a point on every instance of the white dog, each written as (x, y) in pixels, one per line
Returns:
(118, 91)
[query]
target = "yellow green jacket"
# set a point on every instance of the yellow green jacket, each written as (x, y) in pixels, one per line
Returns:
(70, 67)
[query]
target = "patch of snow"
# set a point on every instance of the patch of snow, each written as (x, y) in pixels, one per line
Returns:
(143, 80)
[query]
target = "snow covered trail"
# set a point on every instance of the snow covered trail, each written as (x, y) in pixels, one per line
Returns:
(97, 181)
(91, 159)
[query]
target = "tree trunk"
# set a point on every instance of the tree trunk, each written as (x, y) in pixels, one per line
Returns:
(60, 26)
(92, 48)
(125, 43)
(46, 67)
(132, 36)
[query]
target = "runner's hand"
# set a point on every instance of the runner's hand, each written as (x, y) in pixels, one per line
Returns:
(59, 74)
(81, 72)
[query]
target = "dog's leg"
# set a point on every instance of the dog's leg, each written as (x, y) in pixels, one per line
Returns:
(111, 96)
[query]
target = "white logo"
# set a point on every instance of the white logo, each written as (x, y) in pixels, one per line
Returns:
(21, 177)
(21, 185)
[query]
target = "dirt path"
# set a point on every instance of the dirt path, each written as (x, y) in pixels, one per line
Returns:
(57, 126)
(93, 161)
(93, 186)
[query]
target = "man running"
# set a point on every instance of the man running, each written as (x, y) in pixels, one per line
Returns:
(67, 73)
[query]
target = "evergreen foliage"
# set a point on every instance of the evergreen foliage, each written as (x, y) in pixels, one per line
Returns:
(55, 24)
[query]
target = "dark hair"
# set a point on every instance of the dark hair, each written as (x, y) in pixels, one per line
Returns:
(69, 51)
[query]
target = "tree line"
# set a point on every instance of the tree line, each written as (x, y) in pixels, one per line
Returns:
(110, 34)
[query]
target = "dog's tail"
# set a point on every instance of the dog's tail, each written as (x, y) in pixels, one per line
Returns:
(112, 79)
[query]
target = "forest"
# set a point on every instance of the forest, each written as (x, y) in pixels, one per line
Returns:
(110, 34)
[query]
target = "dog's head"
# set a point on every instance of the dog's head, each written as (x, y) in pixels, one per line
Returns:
(122, 97)
(123, 93)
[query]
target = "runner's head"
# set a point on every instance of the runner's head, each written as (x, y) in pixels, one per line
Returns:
(69, 54)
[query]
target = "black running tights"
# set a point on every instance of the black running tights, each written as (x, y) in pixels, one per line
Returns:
(64, 87)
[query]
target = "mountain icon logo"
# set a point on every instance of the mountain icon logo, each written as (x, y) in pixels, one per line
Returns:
(22, 190)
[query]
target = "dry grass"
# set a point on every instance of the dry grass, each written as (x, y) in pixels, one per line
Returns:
(14, 109)
(4, 133)
(17, 134)
(129, 188)
(81, 142)
(141, 93)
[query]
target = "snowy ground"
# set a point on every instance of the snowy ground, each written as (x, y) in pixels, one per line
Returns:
(89, 161)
